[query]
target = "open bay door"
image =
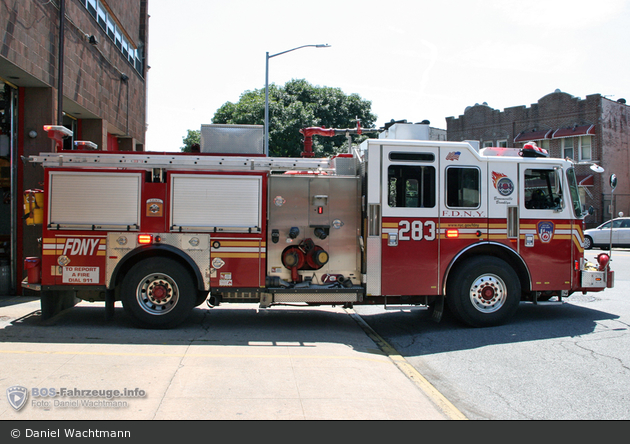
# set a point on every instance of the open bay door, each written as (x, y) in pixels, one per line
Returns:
(405, 201)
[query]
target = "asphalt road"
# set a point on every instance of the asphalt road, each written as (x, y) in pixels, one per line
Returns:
(563, 362)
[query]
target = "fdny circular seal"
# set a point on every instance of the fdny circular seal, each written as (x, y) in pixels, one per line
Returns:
(505, 186)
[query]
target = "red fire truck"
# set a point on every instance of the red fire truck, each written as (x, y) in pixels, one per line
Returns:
(392, 221)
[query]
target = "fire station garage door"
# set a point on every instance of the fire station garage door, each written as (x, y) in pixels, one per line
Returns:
(216, 202)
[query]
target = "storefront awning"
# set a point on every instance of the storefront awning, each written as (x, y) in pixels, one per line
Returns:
(533, 135)
(585, 181)
(584, 130)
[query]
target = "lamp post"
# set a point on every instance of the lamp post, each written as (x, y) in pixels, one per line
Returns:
(267, 87)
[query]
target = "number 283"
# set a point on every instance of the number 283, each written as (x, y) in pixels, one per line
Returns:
(416, 230)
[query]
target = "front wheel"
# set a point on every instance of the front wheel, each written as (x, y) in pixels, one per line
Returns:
(158, 293)
(588, 243)
(484, 291)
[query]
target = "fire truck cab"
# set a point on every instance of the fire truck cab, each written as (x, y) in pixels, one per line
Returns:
(419, 222)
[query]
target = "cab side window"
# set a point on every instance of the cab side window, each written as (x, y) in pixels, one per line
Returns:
(463, 188)
(411, 186)
(542, 189)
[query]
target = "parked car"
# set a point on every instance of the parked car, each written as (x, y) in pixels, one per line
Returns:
(601, 236)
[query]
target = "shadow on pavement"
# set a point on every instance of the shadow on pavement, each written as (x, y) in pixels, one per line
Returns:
(242, 324)
(411, 331)
(415, 334)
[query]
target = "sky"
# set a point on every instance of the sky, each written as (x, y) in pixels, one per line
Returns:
(412, 59)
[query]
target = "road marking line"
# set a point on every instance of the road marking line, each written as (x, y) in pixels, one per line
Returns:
(434, 395)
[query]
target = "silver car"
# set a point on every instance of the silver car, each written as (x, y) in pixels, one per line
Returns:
(602, 236)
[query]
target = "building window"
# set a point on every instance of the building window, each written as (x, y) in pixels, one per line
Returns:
(585, 148)
(502, 143)
(107, 23)
(577, 148)
(544, 144)
(567, 148)
(487, 144)
(91, 7)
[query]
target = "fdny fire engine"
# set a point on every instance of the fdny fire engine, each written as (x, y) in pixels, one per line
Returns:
(392, 221)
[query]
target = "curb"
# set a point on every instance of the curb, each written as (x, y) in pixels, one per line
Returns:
(421, 382)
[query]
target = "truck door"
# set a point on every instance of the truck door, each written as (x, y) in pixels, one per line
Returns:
(410, 221)
(545, 226)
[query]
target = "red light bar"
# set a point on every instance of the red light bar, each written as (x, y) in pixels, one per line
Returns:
(58, 128)
(85, 144)
(145, 239)
(57, 133)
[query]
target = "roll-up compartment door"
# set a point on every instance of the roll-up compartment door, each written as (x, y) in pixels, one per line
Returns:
(216, 202)
(94, 199)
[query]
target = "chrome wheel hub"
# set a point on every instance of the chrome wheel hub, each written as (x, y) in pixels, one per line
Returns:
(488, 293)
(157, 294)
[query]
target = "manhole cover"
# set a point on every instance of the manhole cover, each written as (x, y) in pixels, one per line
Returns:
(582, 298)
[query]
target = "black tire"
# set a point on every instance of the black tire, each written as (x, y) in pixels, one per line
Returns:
(588, 242)
(158, 293)
(484, 292)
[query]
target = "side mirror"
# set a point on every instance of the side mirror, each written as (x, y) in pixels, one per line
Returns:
(591, 210)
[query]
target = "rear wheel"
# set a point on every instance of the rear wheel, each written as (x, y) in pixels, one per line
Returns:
(158, 293)
(484, 291)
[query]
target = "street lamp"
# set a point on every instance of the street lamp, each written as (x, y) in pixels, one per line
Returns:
(267, 87)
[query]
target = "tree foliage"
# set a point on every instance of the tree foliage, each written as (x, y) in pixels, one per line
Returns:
(193, 136)
(295, 106)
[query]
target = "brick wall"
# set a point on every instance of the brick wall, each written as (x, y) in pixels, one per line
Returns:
(615, 136)
(92, 73)
(558, 110)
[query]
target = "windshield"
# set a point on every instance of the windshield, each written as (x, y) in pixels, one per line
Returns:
(575, 194)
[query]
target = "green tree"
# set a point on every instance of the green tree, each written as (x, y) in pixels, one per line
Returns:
(193, 136)
(295, 106)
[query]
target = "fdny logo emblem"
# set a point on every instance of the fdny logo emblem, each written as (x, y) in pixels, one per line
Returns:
(545, 231)
(502, 183)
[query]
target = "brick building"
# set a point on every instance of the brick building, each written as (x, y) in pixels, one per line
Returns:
(77, 63)
(590, 130)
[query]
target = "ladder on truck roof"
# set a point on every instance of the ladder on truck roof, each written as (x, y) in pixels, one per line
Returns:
(143, 160)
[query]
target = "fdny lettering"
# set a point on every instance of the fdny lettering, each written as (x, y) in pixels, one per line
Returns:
(80, 246)
(416, 230)
(463, 213)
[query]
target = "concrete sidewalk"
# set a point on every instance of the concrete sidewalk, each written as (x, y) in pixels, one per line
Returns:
(226, 363)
